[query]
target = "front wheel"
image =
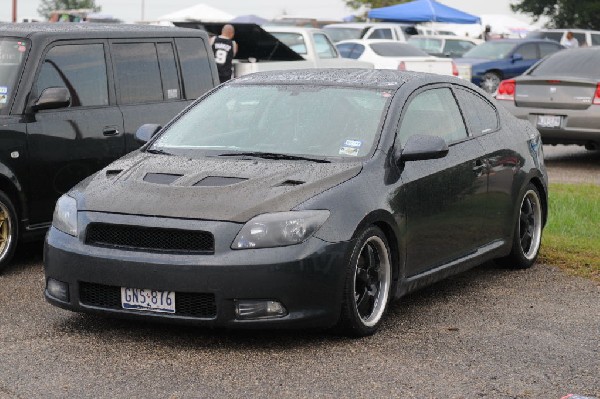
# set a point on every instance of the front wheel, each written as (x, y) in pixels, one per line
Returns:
(490, 82)
(8, 230)
(367, 285)
(527, 235)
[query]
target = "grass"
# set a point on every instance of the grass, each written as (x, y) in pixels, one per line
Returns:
(571, 238)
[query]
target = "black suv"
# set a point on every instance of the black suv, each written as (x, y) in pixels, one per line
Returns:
(72, 97)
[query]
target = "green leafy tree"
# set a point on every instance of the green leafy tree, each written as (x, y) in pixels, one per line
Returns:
(47, 6)
(356, 4)
(582, 14)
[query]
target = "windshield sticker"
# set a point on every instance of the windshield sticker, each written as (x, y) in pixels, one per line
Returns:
(3, 98)
(352, 151)
(353, 143)
(3, 90)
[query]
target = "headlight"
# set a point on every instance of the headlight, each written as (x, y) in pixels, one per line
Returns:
(65, 215)
(279, 229)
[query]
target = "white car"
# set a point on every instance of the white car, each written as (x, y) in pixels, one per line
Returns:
(370, 30)
(386, 54)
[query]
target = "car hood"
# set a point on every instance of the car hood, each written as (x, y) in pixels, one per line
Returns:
(222, 189)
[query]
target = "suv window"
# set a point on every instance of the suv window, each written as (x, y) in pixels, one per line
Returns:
(381, 34)
(81, 68)
(168, 71)
(195, 67)
(480, 115)
(324, 47)
(528, 51)
(433, 112)
(548, 48)
(137, 73)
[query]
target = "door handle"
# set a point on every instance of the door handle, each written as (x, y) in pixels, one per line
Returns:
(110, 131)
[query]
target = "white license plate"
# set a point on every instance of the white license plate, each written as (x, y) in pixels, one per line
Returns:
(151, 300)
(549, 120)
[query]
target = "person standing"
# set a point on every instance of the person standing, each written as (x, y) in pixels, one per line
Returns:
(569, 41)
(224, 49)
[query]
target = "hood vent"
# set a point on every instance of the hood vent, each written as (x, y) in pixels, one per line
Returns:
(288, 183)
(113, 172)
(161, 178)
(218, 181)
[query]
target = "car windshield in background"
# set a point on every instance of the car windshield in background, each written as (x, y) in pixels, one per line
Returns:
(427, 44)
(581, 63)
(295, 41)
(318, 121)
(339, 34)
(556, 36)
(12, 52)
(491, 50)
(393, 49)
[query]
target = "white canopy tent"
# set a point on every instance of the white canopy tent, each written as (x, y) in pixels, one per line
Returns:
(199, 12)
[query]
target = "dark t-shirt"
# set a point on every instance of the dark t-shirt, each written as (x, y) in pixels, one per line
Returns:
(223, 50)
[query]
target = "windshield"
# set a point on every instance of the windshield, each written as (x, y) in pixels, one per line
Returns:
(426, 44)
(491, 50)
(556, 36)
(295, 41)
(12, 54)
(394, 49)
(318, 121)
(339, 34)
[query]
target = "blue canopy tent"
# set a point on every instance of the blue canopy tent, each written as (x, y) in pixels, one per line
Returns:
(423, 11)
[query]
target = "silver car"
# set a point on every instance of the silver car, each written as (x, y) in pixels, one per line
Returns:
(560, 95)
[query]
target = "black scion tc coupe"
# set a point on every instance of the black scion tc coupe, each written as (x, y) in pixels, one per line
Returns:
(301, 199)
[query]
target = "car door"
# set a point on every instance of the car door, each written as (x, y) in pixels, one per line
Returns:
(516, 66)
(68, 144)
(442, 197)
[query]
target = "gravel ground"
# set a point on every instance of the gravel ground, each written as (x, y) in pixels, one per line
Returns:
(490, 333)
(572, 164)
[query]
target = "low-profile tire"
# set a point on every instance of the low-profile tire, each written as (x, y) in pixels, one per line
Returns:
(490, 82)
(367, 285)
(527, 235)
(9, 230)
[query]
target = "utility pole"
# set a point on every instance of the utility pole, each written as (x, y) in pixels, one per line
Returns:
(14, 16)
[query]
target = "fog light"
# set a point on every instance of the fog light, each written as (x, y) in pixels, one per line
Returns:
(58, 289)
(248, 310)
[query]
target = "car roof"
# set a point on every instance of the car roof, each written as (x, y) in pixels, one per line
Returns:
(92, 30)
(360, 78)
(448, 37)
(287, 28)
(372, 41)
(363, 25)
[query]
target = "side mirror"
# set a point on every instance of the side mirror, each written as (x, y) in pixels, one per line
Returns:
(53, 98)
(517, 57)
(421, 147)
(146, 132)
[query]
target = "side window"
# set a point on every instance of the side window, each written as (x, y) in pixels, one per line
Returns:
(359, 49)
(435, 113)
(345, 49)
(381, 34)
(168, 71)
(324, 47)
(528, 51)
(137, 73)
(595, 39)
(480, 115)
(195, 67)
(458, 46)
(581, 39)
(548, 48)
(81, 68)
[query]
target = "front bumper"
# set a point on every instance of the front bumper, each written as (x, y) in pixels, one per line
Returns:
(307, 278)
(578, 126)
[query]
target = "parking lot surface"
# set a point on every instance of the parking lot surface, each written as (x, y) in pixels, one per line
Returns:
(489, 332)
(572, 164)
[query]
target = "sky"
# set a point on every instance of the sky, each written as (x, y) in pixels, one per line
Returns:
(131, 10)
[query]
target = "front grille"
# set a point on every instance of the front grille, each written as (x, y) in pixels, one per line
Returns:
(150, 238)
(186, 304)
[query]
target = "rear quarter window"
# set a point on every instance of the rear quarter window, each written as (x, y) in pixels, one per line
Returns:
(481, 116)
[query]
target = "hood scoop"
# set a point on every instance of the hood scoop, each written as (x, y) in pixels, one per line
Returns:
(161, 178)
(218, 181)
(110, 173)
(290, 183)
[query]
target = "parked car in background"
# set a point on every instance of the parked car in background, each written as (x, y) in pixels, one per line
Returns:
(584, 37)
(370, 30)
(386, 54)
(444, 46)
(72, 97)
(560, 96)
(489, 63)
(303, 198)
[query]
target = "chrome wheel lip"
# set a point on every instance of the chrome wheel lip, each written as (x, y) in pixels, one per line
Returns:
(535, 224)
(384, 282)
(5, 228)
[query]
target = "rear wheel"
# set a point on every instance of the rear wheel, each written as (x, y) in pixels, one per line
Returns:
(490, 82)
(368, 284)
(528, 231)
(8, 230)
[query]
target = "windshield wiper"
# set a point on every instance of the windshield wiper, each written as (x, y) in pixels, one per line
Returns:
(273, 155)
(158, 151)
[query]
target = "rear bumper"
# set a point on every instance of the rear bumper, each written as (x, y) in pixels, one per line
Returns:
(578, 126)
(307, 279)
